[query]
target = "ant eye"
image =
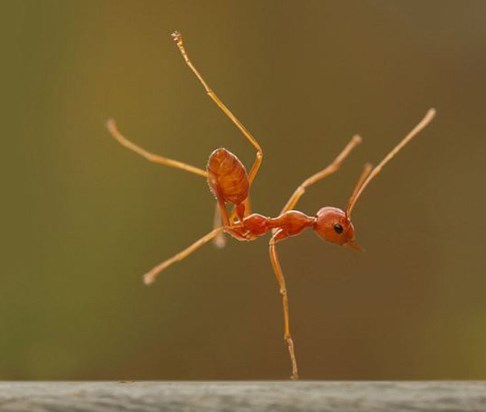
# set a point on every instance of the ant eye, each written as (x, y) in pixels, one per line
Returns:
(338, 228)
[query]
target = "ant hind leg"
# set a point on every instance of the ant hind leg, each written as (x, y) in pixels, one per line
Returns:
(259, 155)
(150, 276)
(220, 240)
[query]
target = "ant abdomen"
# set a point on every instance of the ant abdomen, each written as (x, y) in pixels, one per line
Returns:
(227, 177)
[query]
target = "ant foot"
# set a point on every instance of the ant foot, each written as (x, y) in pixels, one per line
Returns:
(177, 37)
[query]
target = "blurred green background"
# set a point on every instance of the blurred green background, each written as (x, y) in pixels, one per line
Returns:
(84, 218)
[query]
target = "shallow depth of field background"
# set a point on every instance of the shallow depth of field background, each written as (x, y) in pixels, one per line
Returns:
(84, 218)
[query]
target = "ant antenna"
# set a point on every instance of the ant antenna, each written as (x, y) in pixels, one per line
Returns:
(364, 174)
(370, 175)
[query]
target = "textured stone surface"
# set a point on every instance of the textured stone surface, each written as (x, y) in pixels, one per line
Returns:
(302, 396)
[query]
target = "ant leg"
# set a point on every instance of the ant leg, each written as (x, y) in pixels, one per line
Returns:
(259, 155)
(247, 204)
(283, 291)
(332, 168)
(150, 276)
(246, 211)
(111, 126)
(220, 240)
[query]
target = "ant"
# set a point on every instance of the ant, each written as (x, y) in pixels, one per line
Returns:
(230, 184)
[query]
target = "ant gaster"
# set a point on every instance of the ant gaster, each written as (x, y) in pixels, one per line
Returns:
(230, 183)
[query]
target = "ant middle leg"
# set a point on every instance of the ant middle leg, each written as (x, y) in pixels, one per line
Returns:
(113, 129)
(332, 168)
(259, 155)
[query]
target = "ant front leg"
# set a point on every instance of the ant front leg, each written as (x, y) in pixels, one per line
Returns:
(279, 235)
(329, 170)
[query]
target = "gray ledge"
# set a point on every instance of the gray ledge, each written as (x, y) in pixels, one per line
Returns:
(305, 396)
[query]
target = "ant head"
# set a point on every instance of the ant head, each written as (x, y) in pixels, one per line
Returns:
(333, 224)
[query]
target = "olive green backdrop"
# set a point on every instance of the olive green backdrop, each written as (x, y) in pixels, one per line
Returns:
(83, 218)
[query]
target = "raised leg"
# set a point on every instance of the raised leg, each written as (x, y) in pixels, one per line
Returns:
(333, 167)
(259, 155)
(111, 126)
(283, 291)
(150, 276)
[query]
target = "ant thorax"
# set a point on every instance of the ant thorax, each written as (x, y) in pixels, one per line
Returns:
(288, 224)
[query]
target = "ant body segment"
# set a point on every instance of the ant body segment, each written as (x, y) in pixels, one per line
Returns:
(230, 183)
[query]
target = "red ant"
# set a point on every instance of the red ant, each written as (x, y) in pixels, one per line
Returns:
(230, 184)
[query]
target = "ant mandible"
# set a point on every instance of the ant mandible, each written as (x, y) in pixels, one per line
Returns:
(230, 184)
